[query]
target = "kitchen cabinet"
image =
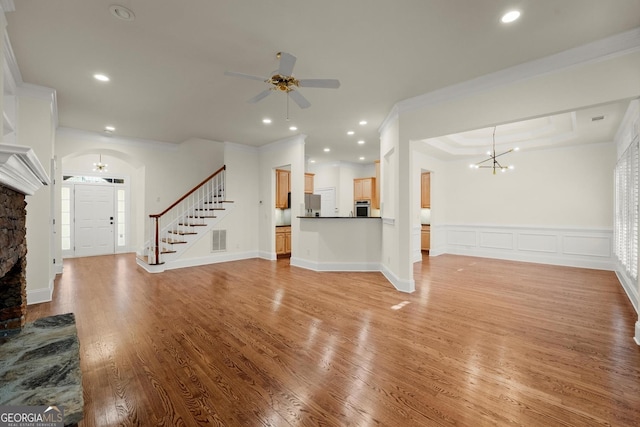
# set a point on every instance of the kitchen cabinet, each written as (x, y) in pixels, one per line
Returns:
(364, 189)
(283, 241)
(308, 183)
(425, 186)
(425, 238)
(283, 186)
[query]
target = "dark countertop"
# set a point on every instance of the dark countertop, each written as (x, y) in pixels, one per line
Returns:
(339, 217)
(283, 225)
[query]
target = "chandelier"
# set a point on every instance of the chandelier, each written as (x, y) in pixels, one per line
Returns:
(492, 162)
(100, 167)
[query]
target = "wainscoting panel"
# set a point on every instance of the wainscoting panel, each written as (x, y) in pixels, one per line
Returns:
(588, 248)
(496, 240)
(458, 237)
(537, 242)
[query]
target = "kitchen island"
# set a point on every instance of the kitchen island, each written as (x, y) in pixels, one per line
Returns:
(339, 244)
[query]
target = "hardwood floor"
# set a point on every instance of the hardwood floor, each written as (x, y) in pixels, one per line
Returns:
(258, 343)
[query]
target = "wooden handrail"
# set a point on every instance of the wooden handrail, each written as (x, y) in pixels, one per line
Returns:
(188, 193)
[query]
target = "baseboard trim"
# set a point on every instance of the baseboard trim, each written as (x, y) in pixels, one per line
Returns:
(39, 296)
(271, 256)
(210, 259)
(335, 266)
(407, 286)
(630, 288)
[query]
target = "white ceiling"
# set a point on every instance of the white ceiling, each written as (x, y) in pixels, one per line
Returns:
(167, 66)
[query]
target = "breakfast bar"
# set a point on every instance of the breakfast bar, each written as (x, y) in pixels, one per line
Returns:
(339, 244)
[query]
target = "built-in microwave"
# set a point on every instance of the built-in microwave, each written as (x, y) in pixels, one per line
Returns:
(362, 208)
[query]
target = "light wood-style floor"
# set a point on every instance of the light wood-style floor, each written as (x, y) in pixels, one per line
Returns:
(258, 343)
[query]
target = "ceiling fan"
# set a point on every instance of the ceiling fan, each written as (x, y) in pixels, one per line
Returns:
(282, 80)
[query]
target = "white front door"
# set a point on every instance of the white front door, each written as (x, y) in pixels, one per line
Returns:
(94, 212)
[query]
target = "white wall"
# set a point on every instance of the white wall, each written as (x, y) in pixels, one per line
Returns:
(35, 129)
(563, 187)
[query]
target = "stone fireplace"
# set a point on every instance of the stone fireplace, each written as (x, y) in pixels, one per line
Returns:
(13, 261)
(21, 174)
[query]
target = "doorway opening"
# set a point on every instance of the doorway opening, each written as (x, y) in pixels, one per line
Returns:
(94, 215)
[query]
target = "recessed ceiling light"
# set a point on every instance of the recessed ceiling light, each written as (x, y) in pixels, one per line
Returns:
(312, 161)
(361, 142)
(293, 128)
(326, 150)
(361, 157)
(109, 129)
(350, 132)
(122, 12)
(362, 122)
(510, 16)
(101, 77)
(266, 121)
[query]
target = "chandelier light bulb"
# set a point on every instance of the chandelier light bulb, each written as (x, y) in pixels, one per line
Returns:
(492, 162)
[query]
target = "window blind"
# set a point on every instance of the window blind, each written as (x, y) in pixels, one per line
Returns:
(626, 210)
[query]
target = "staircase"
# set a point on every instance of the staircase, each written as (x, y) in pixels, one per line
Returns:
(171, 232)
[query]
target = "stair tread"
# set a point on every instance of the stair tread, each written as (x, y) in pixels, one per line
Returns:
(182, 233)
(173, 241)
(186, 224)
(202, 216)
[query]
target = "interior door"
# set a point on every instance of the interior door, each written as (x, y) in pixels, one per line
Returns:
(94, 211)
(327, 201)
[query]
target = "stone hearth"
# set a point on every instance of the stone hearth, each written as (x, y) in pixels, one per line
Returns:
(40, 366)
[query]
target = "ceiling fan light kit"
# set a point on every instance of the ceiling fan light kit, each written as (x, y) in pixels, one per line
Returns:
(283, 81)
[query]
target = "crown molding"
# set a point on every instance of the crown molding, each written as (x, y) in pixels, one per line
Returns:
(234, 146)
(98, 137)
(289, 141)
(391, 118)
(600, 50)
(7, 6)
(21, 170)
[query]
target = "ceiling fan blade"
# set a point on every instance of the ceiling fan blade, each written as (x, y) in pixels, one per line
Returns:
(299, 99)
(245, 76)
(287, 61)
(260, 96)
(324, 83)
